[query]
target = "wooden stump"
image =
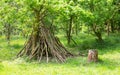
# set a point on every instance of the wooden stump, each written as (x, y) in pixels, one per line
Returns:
(92, 56)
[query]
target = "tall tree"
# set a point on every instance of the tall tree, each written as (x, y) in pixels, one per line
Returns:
(8, 17)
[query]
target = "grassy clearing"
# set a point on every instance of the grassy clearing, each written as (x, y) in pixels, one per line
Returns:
(109, 55)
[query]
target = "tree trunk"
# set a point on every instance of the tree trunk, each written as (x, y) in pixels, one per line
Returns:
(99, 36)
(118, 29)
(69, 29)
(112, 26)
(108, 30)
(108, 27)
(8, 32)
(76, 29)
(97, 33)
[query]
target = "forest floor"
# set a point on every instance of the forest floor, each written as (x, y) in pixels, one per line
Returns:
(108, 64)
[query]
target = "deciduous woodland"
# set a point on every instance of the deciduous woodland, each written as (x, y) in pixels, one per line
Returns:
(79, 34)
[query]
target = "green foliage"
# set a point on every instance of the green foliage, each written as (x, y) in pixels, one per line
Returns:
(20, 15)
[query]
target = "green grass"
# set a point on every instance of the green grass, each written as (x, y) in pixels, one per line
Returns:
(108, 64)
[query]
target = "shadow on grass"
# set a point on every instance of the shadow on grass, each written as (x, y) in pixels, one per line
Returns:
(17, 46)
(14, 46)
(111, 43)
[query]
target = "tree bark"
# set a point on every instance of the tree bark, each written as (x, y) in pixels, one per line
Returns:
(112, 25)
(108, 27)
(69, 29)
(76, 29)
(8, 32)
(97, 33)
(92, 56)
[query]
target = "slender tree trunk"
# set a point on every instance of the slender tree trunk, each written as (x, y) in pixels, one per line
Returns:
(76, 29)
(108, 27)
(69, 29)
(52, 27)
(112, 26)
(88, 30)
(8, 33)
(118, 29)
(97, 33)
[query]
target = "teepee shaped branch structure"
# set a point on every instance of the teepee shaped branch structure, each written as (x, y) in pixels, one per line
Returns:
(46, 46)
(42, 44)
